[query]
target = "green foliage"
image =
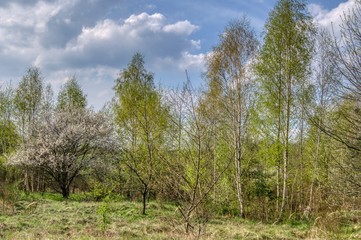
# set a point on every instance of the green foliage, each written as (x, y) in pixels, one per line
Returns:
(102, 190)
(8, 137)
(6, 103)
(226, 106)
(284, 61)
(27, 99)
(71, 95)
(139, 107)
(10, 196)
(142, 119)
(283, 68)
(103, 214)
(29, 92)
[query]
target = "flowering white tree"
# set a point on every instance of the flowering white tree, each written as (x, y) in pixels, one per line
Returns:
(64, 143)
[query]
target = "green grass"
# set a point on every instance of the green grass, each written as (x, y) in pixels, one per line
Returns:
(80, 218)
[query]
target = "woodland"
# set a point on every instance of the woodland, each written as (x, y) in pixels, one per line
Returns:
(274, 136)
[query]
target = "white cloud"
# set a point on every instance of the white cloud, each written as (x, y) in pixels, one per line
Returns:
(33, 16)
(182, 28)
(111, 43)
(144, 21)
(187, 61)
(20, 29)
(192, 61)
(64, 38)
(108, 42)
(330, 18)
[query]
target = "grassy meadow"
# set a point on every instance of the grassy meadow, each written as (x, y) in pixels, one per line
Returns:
(49, 217)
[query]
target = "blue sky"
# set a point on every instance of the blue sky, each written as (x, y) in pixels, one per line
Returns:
(95, 39)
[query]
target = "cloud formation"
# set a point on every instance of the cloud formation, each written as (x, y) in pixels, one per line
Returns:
(92, 39)
(330, 18)
(50, 35)
(112, 43)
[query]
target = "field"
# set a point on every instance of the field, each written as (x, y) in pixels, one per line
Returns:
(48, 217)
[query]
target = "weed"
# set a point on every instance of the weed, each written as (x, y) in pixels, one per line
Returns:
(103, 214)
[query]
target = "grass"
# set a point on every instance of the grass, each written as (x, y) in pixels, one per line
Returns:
(51, 218)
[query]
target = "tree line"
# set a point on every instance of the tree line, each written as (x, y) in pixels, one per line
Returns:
(275, 134)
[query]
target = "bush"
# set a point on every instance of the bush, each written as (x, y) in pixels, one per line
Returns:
(336, 221)
(101, 190)
(10, 195)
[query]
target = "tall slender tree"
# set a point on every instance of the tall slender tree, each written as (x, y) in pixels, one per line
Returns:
(8, 131)
(231, 89)
(142, 119)
(27, 99)
(345, 124)
(325, 83)
(27, 103)
(283, 66)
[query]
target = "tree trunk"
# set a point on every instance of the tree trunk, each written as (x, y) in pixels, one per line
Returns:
(144, 195)
(286, 150)
(240, 197)
(279, 149)
(26, 181)
(237, 124)
(239, 186)
(38, 183)
(315, 168)
(32, 180)
(65, 192)
(188, 226)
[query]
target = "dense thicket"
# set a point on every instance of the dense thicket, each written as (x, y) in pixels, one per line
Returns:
(274, 135)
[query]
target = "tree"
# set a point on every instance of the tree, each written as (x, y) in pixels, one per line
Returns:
(47, 102)
(64, 144)
(8, 132)
(283, 66)
(324, 89)
(71, 95)
(190, 156)
(231, 86)
(142, 119)
(27, 99)
(6, 103)
(8, 138)
(347, 60)
(27, 103)
(344, 120)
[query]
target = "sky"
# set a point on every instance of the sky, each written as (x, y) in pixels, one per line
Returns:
(94, 40)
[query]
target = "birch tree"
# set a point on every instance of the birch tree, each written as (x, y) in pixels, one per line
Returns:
(325, 84)
(230, 82)
(344, 125)
(283, 65)
(27, 101)
(9, 136)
